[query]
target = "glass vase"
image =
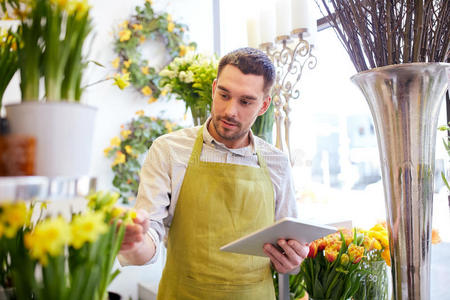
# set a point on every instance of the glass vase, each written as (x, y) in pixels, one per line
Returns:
(404, 101)
(199, 115)
(375, 283)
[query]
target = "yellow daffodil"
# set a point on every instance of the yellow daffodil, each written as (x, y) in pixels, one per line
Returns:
(120, 158)
(144, 70)
(127, 63)
(122, 81)
(146, 90)
(115, 141)
(170, 26)
(152, 100)
(149, 1)
(125, 133)
(141, 39)
(78, 7)
(115, 63)
(137, 27)
(140, 112)
(117, 212)
(48, 238)
(86, 228)
(124, 35)
(103, 201)
(13, 217)
(164, 92)
(128, 149)
(169, 18)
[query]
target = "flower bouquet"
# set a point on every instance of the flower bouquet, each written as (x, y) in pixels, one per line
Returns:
(190, 78)
(332, 268)
(53, 258)
(127, 150)
(375, 284)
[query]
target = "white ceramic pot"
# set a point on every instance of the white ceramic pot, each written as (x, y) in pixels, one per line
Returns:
(63, 133)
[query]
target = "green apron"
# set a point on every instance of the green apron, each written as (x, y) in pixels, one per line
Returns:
(218, 203)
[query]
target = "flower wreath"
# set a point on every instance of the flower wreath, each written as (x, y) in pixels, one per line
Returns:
(135, 139)
(144, 25)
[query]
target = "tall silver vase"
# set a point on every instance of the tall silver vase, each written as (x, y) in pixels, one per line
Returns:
(405, 101)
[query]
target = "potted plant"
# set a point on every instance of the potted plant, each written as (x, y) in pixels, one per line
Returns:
(401, 49)
(61, 258)
(51, 36)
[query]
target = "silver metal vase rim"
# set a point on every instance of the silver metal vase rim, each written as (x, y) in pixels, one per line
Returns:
(406, 65)
(52, 103)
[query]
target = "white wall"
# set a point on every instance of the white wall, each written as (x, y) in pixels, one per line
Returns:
(116, 107)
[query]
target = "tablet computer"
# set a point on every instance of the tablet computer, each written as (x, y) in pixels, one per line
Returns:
(286, 228)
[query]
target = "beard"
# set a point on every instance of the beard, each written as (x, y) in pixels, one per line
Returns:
(226, 133)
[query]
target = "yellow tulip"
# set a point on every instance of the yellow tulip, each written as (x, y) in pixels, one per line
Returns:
(125, 133)
(115, 63)
(170, 27)
(124, 35)
(144, 70)
(128, 149)
(127, 63)
(115, 141)
(146, 90)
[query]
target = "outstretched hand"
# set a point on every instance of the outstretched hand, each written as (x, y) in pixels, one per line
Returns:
(136, 231)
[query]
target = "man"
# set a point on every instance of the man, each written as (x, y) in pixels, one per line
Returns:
(211, 185)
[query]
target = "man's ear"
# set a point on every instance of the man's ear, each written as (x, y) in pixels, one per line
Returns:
(214, 85)
(265, 105)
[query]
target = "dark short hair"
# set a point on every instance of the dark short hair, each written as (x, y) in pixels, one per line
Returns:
(250, 61)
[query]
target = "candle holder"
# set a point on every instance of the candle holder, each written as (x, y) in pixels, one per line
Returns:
(290, 55)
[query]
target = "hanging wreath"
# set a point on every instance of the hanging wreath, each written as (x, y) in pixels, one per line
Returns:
(146, 25)
(127, 151)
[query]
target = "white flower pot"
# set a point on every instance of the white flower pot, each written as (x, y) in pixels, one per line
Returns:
(63, 133)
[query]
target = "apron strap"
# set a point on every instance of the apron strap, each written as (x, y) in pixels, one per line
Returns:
(197, 150)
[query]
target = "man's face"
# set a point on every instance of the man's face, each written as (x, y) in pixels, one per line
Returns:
(238, 99)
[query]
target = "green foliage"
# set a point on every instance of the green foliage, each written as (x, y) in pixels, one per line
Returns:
(127, 151)
(148, 25)
(329, 275)
(51, 36)
(263, 125)
(44, 261)
(446, 143)
(8, 60)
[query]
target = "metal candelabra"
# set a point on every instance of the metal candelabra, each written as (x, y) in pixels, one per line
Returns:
(290, 55)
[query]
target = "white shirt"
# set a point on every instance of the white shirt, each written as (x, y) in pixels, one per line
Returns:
(165, 165)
